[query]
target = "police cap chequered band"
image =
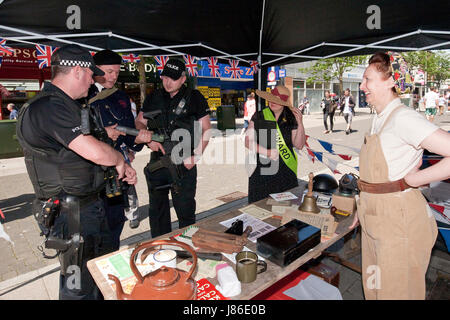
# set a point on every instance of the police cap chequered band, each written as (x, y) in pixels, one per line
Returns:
(74, 63)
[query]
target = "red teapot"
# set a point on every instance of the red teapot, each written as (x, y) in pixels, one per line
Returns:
(164, 283)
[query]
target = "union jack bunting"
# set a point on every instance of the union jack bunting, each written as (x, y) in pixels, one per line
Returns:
(213, 66)
(254, 65)
(160, 62)
(44, 55)
(191, 65)
(234, 70)
(5, 49)
(131, 58)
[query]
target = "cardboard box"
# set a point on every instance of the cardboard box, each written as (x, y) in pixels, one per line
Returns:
(344, 203)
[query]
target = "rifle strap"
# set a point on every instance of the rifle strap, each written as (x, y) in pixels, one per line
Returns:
(105, 93)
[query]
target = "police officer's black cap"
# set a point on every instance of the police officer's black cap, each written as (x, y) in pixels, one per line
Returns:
(174, 68)
(107, 57)
(72, 55)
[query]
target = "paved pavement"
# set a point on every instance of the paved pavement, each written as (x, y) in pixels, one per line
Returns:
(25, 274)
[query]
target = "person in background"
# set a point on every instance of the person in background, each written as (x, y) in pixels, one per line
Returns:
(249, 110)
(328, 106)
(304, 105)
(398, 230)
(431, 100)
(442, 104)
(13, 113)
(348, 109)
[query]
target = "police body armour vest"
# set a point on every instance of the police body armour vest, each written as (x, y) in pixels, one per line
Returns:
(175, 117)
(54, 173)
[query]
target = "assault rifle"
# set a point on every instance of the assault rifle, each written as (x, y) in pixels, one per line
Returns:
(113, 186)
(162, 132)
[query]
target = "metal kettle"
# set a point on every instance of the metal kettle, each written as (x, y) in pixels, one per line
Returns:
(164, 283)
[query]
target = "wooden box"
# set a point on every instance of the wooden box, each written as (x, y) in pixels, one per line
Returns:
(344, 203)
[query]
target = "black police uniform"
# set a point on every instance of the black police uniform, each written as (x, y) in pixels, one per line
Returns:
(184, 201)
(45, 129)
(116, 108)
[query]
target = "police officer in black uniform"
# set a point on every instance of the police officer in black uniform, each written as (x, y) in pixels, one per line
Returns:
(182, 112)
(115, 109)
(66, 167)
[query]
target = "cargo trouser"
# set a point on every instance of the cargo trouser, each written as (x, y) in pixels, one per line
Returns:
(183, 202)
(398, 232)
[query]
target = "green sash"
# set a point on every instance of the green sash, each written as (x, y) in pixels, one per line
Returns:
(289, 159)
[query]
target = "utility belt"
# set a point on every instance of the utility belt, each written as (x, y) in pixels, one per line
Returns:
(381, 188)
(69, 248)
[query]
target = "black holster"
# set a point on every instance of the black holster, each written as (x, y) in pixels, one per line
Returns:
(176, 172)
(69, 247)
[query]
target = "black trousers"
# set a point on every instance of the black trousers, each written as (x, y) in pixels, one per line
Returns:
(76, 283)
(115, 216)
(325, 116)
(183, 201)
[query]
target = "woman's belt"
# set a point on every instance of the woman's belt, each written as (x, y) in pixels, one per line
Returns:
(386, 187)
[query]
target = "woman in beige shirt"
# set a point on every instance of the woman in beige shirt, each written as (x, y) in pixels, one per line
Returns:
(398, 230)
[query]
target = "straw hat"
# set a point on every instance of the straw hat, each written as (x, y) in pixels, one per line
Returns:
(280, 95)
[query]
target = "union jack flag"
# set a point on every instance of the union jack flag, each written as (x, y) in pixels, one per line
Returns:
(254, 65)
(191, 65)
(234, 70)
(3, 48)
(161, 62)
(213, 66)
(133, 58)
(44, 55)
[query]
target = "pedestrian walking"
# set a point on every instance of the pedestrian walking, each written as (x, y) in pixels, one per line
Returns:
(328, 106)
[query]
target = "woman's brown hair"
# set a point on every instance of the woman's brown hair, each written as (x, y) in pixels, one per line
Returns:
(382, 62)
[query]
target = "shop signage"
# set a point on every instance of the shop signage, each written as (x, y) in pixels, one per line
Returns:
(22, 57)
(212, 95)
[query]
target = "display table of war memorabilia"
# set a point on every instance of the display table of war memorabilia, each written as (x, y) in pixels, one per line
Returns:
(281, 235)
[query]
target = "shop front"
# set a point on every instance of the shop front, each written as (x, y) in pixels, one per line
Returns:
(21, 76)
(228, 87)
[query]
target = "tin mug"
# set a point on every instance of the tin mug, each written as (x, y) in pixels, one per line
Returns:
(247, 266)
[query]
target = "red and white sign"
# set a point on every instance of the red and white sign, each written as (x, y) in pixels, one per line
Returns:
(271, 76)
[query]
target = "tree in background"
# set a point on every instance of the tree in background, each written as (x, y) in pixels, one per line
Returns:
(332, 68)
(436, 64)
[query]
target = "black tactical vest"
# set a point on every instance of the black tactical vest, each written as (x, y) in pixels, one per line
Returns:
(56, 173)
(176, 117)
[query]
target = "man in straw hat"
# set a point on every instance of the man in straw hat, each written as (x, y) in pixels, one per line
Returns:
(286, 125)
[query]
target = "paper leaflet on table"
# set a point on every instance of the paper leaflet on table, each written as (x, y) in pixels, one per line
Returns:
(259, 228)
(257, 212)
(283, 196)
